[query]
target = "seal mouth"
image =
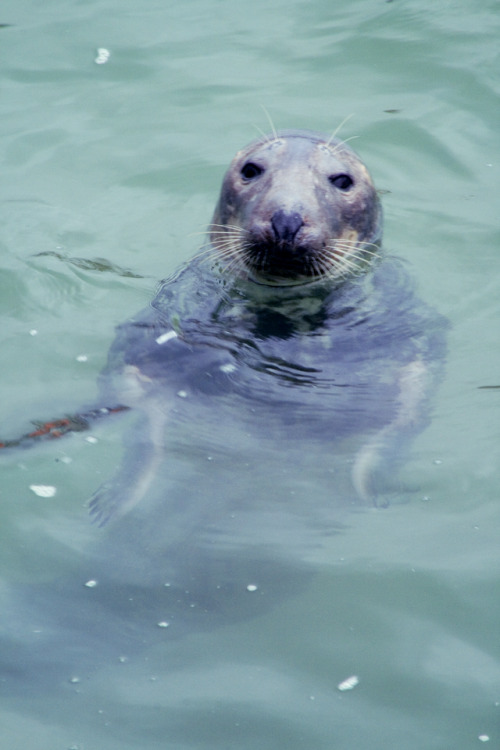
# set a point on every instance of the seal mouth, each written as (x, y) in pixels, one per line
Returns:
(289, 263)
(286, 250)
(283, 262)
(335, 260)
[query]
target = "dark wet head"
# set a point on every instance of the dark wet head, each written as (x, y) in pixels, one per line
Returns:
(295, 207)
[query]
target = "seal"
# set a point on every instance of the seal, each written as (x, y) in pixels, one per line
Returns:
(272, 383)
(275, 330)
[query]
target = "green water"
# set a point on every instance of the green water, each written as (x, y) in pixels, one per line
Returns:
(109, 171)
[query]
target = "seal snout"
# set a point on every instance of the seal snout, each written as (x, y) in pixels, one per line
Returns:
(286, 226)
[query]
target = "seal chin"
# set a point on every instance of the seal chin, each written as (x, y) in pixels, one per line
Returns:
(284, 265)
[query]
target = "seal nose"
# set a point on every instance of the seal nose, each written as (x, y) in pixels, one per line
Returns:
(285, 226)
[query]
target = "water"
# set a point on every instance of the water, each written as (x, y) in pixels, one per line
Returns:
(122, 161)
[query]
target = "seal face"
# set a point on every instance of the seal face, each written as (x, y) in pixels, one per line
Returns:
(296, 207)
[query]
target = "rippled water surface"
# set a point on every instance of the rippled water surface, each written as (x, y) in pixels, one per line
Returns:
(111, 166)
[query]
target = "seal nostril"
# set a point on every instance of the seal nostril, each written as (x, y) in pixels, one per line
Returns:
(286, 225)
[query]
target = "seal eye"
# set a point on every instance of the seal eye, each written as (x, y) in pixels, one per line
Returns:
(250, 170)
(341, 181)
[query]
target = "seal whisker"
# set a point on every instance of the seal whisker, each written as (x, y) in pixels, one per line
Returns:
(342, 143)
(230, 245)
(237, 262)
(343, 257)
(226, 241)
(271, 123)
(356, 243)
(264, 137)
(338, 128)
(343, 262)
(223, 241)
(222, 228)
(366, 258)
(321, 267)
(208, 233)
(228, 253)
(229, 233)
(214, 252)
(358, 253)
(225, 236)
(356, 248)
(225, 226)
(357, 259)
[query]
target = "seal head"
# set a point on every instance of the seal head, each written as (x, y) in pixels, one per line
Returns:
(296, 207)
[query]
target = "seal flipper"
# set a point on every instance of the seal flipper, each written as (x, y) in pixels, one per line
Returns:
(143, 457)
(415, 380)
(129, 486)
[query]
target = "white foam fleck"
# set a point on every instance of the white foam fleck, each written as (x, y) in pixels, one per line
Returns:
(349, 683)
(43, 490)
(166, 337)
(103, 56)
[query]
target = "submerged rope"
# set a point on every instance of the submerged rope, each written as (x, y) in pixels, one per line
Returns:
(56, 428)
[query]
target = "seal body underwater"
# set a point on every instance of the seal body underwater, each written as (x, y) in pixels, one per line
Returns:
(277, 377)
(290, 323)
